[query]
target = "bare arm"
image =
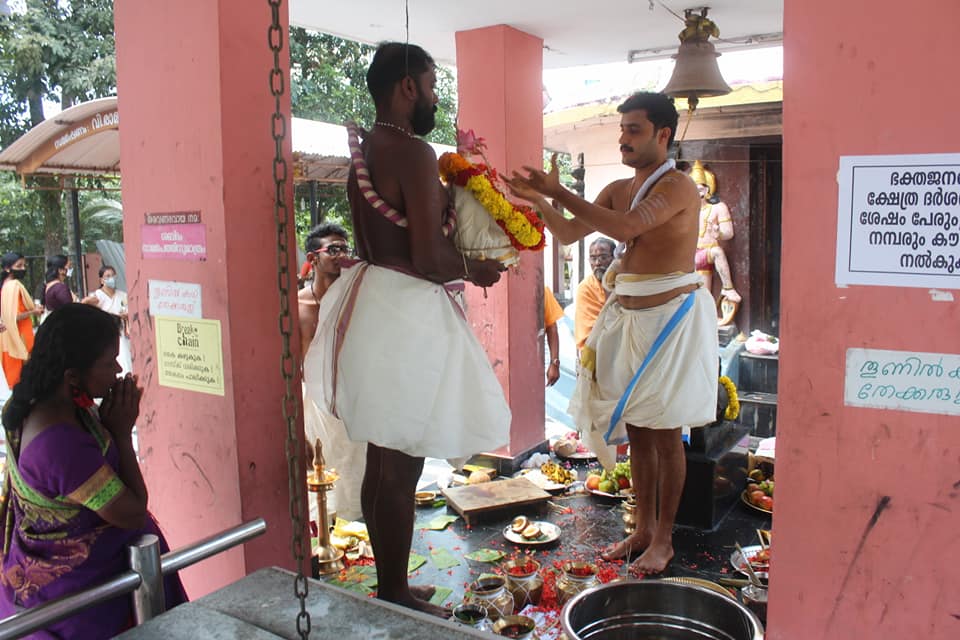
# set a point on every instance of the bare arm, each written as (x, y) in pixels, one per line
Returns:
(662, 203)
(657, 208)
(432, 254)
(565, 230)
(553, 345)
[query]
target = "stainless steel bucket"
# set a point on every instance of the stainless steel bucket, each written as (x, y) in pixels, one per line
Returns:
(654, 609)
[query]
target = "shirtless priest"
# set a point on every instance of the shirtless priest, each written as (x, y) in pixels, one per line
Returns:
(400, 365)
(649, 366)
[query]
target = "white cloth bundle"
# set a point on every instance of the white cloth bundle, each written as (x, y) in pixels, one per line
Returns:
(477, 234)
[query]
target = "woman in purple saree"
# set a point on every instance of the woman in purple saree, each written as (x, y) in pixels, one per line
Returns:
(74, 494)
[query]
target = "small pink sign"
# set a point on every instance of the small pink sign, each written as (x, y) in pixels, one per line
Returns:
(174, 241)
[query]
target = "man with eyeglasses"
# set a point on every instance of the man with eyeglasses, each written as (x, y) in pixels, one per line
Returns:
(326, 247)
(591, 295)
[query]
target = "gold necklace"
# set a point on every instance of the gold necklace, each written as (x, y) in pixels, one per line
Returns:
(390, 125)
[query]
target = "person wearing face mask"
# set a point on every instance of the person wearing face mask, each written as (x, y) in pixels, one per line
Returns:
(56, 291)
(114, 302)
(16, 312)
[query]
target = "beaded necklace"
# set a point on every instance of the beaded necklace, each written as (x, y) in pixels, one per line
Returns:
(390, 125)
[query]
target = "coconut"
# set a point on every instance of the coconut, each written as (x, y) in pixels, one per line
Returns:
(532, 531)
(519, 524)
(477, 477)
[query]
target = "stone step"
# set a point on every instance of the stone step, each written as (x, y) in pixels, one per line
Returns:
(758, 412)
(758, 372)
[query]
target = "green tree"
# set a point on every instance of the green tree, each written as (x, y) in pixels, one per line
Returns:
(328, 83)
(60, 51)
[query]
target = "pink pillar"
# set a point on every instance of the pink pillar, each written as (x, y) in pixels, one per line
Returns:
(500, 81)
(196, 109)
(844, 568)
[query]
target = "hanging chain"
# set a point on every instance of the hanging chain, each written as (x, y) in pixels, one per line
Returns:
(281, 214)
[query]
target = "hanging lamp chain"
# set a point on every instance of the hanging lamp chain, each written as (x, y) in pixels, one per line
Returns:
(282, 217)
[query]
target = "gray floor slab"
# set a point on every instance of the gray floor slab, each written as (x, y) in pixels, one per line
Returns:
(189, 621)
(264, 603)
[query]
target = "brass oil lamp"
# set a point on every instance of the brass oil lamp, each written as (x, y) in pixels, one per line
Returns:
(321, 481)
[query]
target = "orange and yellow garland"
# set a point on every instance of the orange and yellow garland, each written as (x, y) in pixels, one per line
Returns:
(522, 225)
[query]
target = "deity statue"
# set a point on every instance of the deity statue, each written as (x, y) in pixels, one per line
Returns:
(716, 226)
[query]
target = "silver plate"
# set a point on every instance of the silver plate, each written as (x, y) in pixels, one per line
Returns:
(542, 481)
(739, 564)
(548, 533)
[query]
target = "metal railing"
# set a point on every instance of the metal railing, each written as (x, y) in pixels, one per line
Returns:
(144, 580)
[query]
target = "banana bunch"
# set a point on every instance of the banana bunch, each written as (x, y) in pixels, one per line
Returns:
(555, 473)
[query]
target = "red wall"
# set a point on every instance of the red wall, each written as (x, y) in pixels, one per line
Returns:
(861, 78)
(499, 71)
(196, 110)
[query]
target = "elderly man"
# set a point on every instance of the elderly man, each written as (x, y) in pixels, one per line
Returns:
(591, 296)
(649, 365)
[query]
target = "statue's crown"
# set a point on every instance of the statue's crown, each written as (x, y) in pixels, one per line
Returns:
(703, 176)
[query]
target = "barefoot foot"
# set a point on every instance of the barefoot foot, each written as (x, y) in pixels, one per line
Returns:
(634, 543)
(654, 560)
(424, 592)
(417, 604)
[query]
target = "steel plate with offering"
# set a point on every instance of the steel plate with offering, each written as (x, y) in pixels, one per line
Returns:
(547, 533)
(623, 494)
(759, 558)
(550, 476)
(536, 477)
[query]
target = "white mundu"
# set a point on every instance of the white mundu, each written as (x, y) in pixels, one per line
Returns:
(399, 364)
(679, 385)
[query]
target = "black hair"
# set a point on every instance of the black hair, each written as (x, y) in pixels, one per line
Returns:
(659, 108)
(605, 241)
(321, 231)
(72, 337)
(54, 264)
(106, 268)
(8, 260)
(392, 62)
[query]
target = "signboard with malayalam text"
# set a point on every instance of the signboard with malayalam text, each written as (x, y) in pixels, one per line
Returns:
(173, 235)
(898, 221)
(190, 354)
(904, 380)
(180, 299)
